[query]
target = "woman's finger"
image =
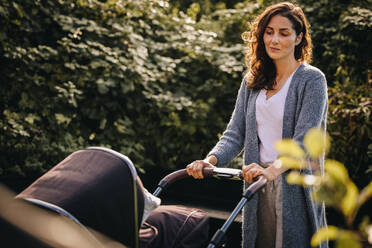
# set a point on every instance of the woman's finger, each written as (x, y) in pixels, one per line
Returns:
(189, 169)
(195, 169)
(251, 171)
(257, 173)
(200, 171)
(249, 176)
(250, 166)
(245, 172)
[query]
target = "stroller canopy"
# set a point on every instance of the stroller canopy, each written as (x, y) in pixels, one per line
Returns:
(99, 187)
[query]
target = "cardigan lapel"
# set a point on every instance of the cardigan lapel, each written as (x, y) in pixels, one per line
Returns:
(290, 105)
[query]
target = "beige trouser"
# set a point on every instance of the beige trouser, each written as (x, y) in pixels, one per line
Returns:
(269, 215)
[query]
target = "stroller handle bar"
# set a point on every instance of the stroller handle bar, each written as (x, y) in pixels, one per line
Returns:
(225, 173)
(228, 173)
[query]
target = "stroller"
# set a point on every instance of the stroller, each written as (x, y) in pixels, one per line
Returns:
(99, 190)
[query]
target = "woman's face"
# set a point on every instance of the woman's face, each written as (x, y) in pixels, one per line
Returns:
(280, 38)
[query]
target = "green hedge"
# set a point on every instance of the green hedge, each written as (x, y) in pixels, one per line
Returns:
(342, 34)
(153, 82)
(135, 77)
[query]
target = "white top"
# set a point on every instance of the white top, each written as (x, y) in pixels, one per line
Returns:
(269, 119)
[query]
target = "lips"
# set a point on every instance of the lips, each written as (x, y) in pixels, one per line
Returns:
(274, 49)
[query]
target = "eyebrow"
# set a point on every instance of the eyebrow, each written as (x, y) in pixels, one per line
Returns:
(281, 29)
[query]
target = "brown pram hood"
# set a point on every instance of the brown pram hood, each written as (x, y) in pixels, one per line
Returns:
(97, 186)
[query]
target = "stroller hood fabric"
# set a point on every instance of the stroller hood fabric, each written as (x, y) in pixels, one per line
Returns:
(96, 187)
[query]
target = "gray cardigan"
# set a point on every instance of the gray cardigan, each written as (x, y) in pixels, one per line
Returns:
(305, 107)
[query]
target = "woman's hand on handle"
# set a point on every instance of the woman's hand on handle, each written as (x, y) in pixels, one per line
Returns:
(249, 172)
(195, 169)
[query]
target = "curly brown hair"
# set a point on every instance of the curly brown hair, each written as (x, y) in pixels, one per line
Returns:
(261, 68)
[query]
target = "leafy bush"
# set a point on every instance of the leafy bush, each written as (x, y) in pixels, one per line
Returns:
(156, 80)
(341, 31)
(129, 75)
(350, 128)
(334, 188)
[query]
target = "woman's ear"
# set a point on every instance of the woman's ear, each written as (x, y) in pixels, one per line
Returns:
(298, 39)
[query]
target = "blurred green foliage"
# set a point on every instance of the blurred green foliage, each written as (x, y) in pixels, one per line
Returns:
(342, 34)
(157, 80)
(333, 186)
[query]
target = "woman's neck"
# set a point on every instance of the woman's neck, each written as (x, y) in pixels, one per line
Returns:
(285, 68)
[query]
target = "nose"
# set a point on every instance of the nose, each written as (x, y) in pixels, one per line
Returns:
(275, 39)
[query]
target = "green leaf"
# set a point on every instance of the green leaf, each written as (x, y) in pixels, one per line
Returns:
(365, 194)
(62, 119)
(291, 163)
(348, 239)
(31, 118)
(349, 201)
(336, 170)
(295, 178)
(316, 142)
(102, 89)
(324, 234)
(369, 233)
(289, 147)
(16, 22)
(18, 8)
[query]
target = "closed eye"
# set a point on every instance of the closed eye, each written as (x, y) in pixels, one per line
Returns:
(269, 30)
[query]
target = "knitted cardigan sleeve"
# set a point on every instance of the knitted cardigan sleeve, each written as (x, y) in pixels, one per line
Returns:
(231, 142)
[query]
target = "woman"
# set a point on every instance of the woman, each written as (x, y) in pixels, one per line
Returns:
(280, 97)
